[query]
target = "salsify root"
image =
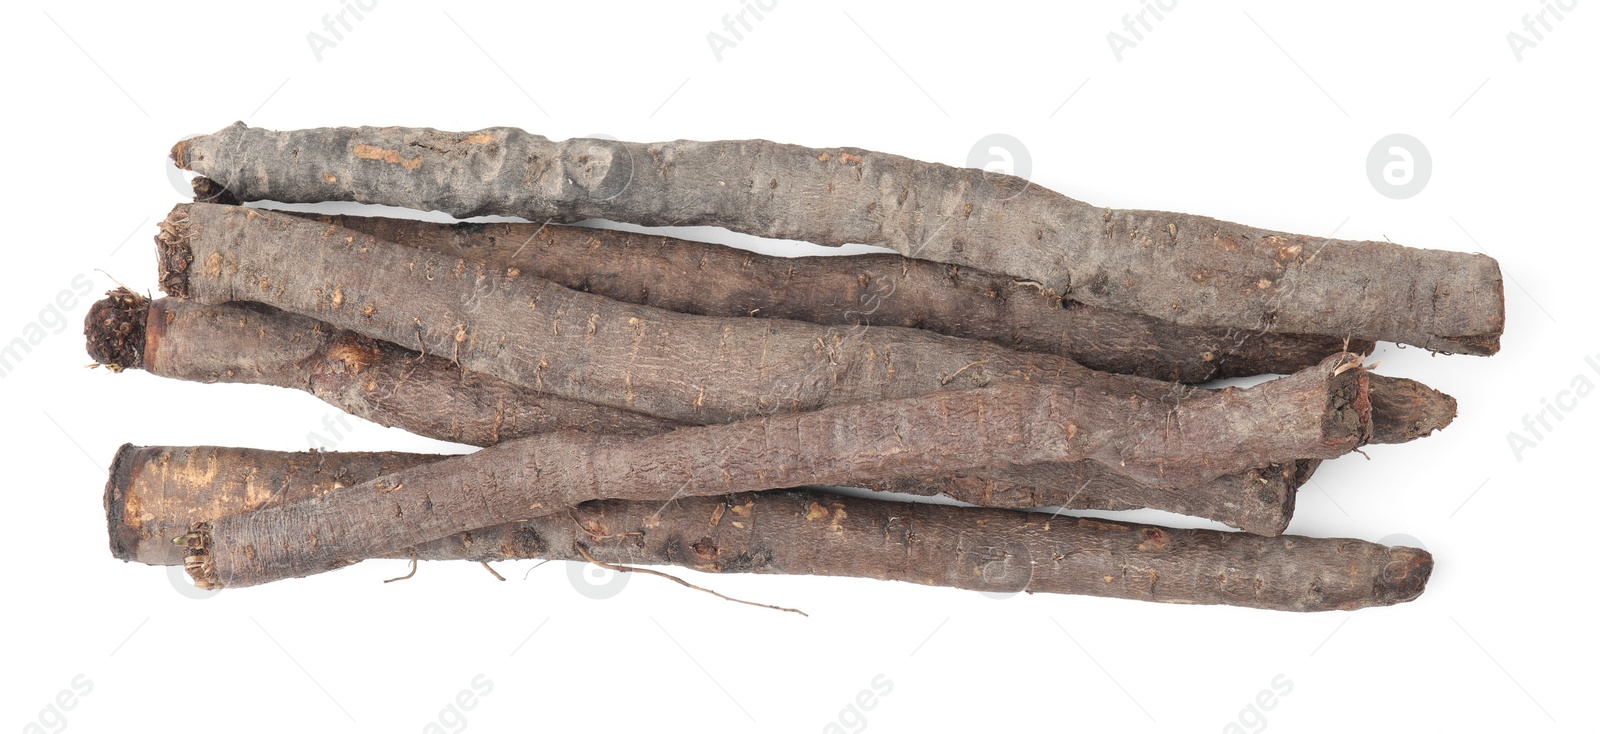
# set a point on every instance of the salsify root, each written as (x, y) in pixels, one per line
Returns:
(432, 397)
(528, 331)
(254, 344)
(157, 493)
(1320, 412)
(1187, 269)
(881, 290)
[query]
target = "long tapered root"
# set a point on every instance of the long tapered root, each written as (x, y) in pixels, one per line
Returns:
(812, 532)
(1189, 269)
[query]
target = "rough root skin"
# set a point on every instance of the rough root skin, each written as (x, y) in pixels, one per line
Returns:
(197, 561)
(1406, 575)
(1225, 432)
(431, 396)
(173, 253)
(114, 330)
(207, 191)
(1188, 269)
(1406, 410)
(853, 290)
(556, 340)
(812, 532)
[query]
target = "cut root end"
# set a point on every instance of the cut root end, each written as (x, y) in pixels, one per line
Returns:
(114, 330)
(1349, 414)
(173, 252)
(207, 191)
(1405, 576)
(198, 562)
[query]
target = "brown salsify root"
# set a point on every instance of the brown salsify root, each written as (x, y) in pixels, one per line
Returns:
(882, 290)
(531, 332)
(432, 397)
(158, 494)
(506, 323)
(1260, 500)
(210, 192)
(1404, 410)
(389, 385)
(115, 330)
(1187, 269)
(155, 493)
(887, 290)
(1313, 413)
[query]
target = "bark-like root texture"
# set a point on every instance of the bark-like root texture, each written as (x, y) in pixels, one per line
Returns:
(114, 329)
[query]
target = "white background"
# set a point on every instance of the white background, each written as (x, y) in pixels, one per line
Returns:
(1250, 112)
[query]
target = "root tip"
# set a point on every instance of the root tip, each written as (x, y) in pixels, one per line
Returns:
(114, 330)
(180, 153)
(1406, 410)
(1405, 576)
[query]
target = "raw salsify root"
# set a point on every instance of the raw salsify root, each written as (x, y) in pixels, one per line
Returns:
(158, 491)
(1313, 413)
(432, 397)
(882, 290)
(1188, 269)
(506, 323)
